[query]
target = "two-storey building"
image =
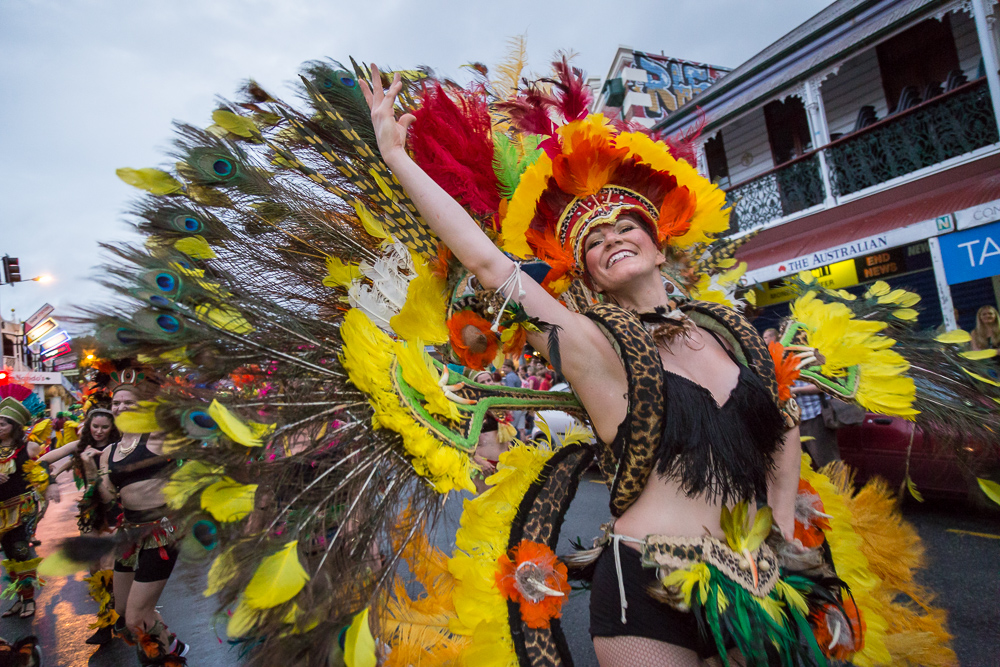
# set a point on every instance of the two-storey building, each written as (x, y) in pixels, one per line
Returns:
(863, 146)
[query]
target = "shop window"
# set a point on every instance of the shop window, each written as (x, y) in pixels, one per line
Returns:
(915, 64)
(787, 129)
(715, 158)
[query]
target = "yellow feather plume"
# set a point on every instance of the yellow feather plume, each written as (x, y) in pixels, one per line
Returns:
(423, 314)
(140, 420)
(228, 500)
(151, 180)
(368, 359)
(521, 209)
(845, 341)
(247, 434)
(876, 554)
(189, 479)
(278, 579)
(196, 247)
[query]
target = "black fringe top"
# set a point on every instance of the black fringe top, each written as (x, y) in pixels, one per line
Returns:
(727, 451)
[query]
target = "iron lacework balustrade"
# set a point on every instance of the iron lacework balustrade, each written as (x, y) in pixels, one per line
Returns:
(939, 129)
(787, 189)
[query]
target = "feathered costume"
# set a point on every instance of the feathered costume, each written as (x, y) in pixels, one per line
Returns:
(288, 290)
(21, 496)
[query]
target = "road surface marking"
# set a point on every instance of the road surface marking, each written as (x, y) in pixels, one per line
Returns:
(969, 532)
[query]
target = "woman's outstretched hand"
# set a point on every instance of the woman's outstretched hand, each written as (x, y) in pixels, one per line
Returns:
(389, 132)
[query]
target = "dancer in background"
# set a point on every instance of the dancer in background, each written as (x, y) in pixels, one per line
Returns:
(97, 433)
(132, 474)
(22, 480)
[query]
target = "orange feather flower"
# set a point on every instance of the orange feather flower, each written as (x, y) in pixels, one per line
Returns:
(531, 575)
(852, 629)
(785, 370)
(810, 524)
(472, 340)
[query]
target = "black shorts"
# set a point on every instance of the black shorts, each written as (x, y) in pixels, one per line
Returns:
(645, 616)
(152, 564)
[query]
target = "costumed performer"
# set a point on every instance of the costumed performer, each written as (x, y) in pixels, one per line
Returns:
(97, 433)
(133, 473)
(22, 480)
(703, 373)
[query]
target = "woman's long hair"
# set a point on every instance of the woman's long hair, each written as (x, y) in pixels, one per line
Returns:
(87, 439)
(986, 336)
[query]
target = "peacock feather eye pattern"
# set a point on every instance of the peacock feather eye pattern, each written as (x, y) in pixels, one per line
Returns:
(168, 324)
(199, 425)
(213, 165)
(162, 282)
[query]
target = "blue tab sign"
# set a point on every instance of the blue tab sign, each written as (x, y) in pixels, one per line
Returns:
(971, 254)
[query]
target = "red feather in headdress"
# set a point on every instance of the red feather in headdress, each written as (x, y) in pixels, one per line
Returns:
(572, 100)
(451, 140)
(529, 112)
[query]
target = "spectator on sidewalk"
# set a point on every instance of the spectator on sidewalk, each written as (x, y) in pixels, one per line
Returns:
(822, 447)
(512, 379)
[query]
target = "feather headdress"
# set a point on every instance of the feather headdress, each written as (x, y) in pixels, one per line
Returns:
(591, 173)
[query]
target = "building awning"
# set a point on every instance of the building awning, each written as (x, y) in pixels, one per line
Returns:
(775, 251)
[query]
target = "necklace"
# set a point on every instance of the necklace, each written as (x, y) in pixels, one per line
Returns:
(125, 451)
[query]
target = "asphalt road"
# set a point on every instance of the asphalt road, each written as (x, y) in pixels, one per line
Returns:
(963, 554)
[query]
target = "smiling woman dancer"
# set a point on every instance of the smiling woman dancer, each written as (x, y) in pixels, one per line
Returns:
(97, 433)
(725, 440)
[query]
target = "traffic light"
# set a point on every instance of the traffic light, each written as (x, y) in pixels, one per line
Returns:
(4, 378)
(11, 269)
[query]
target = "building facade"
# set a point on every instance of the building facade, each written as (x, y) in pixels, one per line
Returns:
(863, 146)
(645, 88)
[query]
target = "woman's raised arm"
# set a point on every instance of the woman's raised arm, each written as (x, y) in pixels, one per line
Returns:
(455, 227)
(589, 361)
(444, 215)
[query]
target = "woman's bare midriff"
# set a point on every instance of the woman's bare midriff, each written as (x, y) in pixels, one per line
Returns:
(663, 508)
(143, 495)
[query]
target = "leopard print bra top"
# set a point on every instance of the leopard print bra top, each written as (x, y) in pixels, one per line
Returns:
(639, 446)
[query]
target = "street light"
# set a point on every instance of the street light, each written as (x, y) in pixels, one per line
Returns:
(44, 278)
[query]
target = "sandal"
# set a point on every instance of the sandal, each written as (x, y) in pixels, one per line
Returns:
(15, 609)
(29, 609)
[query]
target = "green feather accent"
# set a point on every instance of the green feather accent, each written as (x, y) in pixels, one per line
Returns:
(510, 160)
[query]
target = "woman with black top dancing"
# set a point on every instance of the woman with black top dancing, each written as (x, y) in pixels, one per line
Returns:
(19, 500)
(132, 474)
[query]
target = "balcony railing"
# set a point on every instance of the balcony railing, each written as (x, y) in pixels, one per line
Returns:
(939, 129)
(787, 189)
(936, 130)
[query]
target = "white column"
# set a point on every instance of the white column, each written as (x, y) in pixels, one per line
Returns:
(820, 132)
(699, 153)
(944, 290)
(983, 16)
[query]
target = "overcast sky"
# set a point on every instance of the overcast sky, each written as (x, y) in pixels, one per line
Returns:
(88, 86)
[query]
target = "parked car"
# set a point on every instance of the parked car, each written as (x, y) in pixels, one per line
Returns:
(878, 447)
